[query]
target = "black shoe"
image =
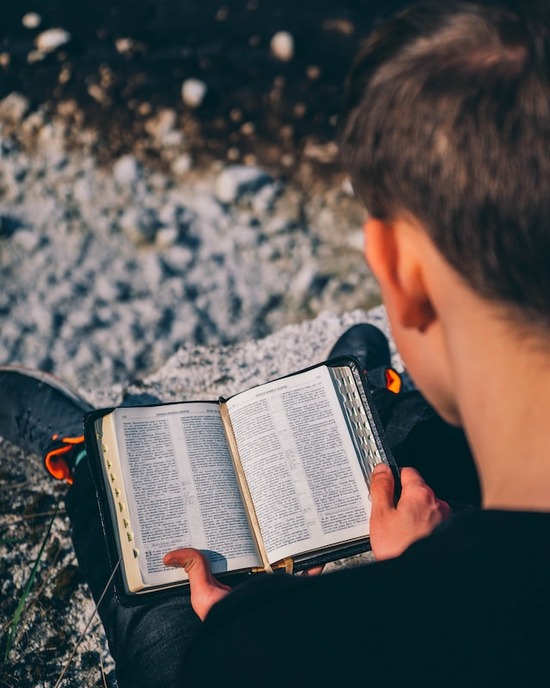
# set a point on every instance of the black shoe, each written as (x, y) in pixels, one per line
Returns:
(370, 346)
(42, 415)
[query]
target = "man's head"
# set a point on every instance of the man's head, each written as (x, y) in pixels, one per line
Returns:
(447, 122)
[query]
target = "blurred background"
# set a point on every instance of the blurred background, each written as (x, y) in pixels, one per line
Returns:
(123, 61)
(169, 175)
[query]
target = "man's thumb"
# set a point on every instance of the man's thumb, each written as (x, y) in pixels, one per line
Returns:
(382, 487)
(205, 589)
(194, 562)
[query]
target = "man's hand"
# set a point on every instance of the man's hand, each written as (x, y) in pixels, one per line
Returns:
(205, 589)
(418, 512)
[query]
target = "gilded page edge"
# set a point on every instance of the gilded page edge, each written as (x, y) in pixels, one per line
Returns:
(243, 486)
(108, 449)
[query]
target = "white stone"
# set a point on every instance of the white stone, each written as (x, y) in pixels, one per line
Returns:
(26, 239)
(263, 201)
(235, 180)
(166, 237)
(172, 139)
(193, 92)
(182, 164)
(82, 191)
(356, 240)
(50, 40)
(347, 187)
(124, 45)
(178, 258)
(13, 107)
(31, 20)
(282, 46)
(161, 124)
(35, 56)
(126, 170)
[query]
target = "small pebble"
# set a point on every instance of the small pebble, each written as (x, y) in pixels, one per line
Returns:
(31, 20)
(166, 237)
(126, 170)
(282, 46)
(64, 75)
(14, 107)
(144, 109)
(35, 56)
(124, 45)
(182, 164)
(50, 40)
(193, 92)
(26, 239)
(233, 153)
(161, 124)
(347, 187)
(236, 180)
(313, 72)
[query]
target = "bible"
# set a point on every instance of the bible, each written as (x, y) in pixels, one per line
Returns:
(272, 478)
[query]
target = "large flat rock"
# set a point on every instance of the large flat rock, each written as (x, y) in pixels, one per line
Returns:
(59, 605)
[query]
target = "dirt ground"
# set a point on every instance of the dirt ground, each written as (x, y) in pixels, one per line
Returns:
(127, 60)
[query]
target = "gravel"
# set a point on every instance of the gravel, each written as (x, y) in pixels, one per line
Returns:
(107, 270)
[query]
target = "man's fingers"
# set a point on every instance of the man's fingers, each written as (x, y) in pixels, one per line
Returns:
(193, 561)
(195, 564)
(205, 589)
(188, 557)
(382, 488)
(313, 571)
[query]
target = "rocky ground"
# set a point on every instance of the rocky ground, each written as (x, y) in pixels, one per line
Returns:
(169, 154)
(172, 216)
(107, 270)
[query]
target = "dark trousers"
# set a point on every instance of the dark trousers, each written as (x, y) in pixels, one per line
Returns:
(148, 642)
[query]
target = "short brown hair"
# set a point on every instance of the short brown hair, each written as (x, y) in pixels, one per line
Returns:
(447, 119)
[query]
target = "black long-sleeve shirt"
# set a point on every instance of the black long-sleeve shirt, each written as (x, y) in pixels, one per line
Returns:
(467, 606)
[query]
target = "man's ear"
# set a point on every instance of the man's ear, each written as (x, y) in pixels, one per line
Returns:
(394, 253)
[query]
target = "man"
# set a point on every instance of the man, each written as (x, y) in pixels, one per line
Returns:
(446, 134)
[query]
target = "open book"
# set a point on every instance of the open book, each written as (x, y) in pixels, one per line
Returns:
(274, 477)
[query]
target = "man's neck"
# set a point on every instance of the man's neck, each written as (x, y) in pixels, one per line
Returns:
(504, 397)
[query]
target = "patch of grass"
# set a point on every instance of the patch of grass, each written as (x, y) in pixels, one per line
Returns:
(15, 620)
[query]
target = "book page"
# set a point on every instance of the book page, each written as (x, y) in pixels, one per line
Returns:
(181, 488)
(300, 463)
